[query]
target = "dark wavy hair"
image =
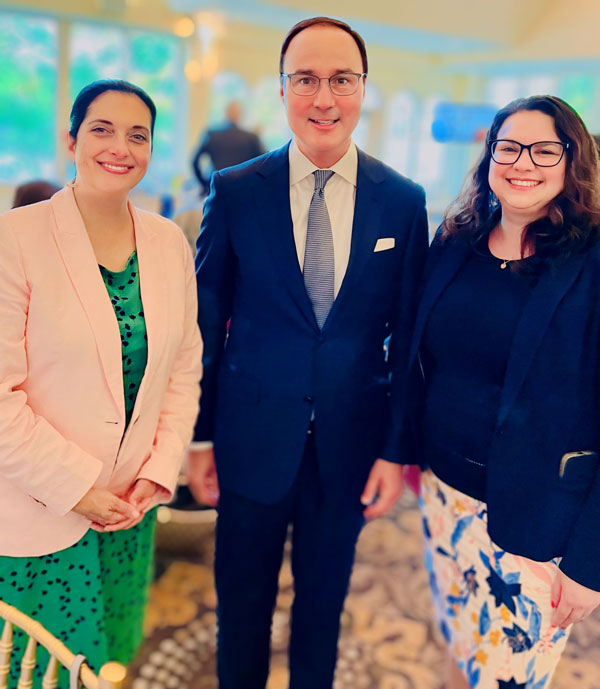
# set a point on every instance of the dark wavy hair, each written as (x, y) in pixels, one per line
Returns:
(573, 219)
(89, 93)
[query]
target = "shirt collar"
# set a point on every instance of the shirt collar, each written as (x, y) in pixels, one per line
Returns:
(301, 166)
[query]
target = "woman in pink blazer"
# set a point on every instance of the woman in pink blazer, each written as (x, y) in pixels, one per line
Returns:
(100, 360)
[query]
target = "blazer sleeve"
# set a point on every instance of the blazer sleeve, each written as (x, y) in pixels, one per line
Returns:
(34, 456)
(180, 403)
(580, 561)
(398, 446)
(215, 278)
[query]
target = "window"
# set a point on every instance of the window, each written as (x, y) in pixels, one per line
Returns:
(28, 86)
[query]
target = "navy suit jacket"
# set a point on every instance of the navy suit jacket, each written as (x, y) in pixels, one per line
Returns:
(226, 146)
(265, 374)
(543, 484)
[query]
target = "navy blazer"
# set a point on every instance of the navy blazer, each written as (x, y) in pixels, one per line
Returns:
(543, 484)
(265, 374)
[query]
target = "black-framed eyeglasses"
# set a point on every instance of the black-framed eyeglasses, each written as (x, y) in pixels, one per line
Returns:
(342, 84)
(542, 153)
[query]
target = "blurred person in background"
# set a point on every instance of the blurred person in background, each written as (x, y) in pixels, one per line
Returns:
(100, 359)
(226, 145)
(508, 337)
(32, 192)
(313, 252)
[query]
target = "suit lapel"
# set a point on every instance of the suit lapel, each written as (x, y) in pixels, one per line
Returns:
(532, 327)
(81, 264)
(271, 195)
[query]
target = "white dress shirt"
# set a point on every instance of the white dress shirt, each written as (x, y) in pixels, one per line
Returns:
(340, 192)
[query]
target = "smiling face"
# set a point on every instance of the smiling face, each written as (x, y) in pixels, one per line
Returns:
(524, 189)
(322, 124)
(112, 149)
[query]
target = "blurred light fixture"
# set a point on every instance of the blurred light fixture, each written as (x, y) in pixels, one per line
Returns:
(210, 65)
(184, 27)
(193, 70)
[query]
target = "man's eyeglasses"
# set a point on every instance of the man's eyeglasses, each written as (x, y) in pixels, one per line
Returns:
(542, 153)
(343, 84)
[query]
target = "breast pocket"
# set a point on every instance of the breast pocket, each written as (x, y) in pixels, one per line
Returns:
(577, 468)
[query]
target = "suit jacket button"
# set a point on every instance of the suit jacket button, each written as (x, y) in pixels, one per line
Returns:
(308, 398)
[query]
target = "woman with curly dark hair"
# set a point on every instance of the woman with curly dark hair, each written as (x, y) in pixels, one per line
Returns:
(508, 341)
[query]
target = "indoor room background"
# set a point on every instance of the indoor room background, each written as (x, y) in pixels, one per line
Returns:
(437, 72)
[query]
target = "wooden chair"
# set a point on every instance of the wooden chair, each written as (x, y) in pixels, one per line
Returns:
(111, 675)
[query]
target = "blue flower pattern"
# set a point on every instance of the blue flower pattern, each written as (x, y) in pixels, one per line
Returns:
(503, 617)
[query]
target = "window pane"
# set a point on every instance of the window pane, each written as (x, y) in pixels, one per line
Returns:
(267, 114)
(155, 66)
(97, 52)
(28, 84)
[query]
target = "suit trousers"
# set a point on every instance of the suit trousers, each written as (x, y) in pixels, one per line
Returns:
(250, 539)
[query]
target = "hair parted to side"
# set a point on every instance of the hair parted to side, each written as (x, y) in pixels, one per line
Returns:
(573, 218)
(324, 21)
(89, 93)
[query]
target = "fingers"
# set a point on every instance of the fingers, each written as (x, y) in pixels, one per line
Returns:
(561, 613)
(202, 478)
(142, 492)
(555, 597)
(122, 526)
(205, 490)
(370, 489)
(382, 489)
(384, 503)
(120, 510)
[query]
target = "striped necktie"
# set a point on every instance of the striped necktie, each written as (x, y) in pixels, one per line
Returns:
(318, 255)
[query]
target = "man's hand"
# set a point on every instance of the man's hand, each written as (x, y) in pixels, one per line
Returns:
(572, 601)
(384, 485)
(103, 508)
(202, 476)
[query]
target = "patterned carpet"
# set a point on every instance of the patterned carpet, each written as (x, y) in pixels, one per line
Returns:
(388, 639)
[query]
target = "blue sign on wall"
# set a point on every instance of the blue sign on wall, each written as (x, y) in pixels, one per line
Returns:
(461, 122)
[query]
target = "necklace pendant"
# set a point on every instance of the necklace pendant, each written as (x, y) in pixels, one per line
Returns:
(503, 264)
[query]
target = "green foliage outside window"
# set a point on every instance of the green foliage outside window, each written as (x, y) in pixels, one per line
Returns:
(28, 85)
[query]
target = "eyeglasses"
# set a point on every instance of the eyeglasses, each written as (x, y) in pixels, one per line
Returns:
(343, 84)
(542, 153)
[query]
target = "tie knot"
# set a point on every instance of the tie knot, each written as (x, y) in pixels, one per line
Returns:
(321, 178)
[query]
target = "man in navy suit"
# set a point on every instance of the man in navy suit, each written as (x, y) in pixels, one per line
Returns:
(226, 145)
(312, 253)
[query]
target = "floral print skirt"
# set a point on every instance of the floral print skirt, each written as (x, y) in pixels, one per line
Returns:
(494, 608)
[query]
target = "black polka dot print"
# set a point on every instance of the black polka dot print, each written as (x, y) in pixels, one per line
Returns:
(124, 291)
(92, 596)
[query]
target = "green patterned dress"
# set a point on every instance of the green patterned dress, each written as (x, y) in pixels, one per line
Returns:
(92, 596)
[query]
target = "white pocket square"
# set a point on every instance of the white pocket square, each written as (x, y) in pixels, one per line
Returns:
(384, 243)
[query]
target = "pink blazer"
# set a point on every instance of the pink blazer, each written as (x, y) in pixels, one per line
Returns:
(62, 412)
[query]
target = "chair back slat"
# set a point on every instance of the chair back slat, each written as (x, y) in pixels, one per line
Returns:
(6, 645)
(50, 680)
(27, 665)
(111, 675)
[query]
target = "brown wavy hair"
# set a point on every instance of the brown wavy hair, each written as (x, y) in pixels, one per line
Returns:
(573, 219)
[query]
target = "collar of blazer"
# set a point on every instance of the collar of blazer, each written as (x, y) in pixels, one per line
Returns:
(272, 203)
(532, 324)
(81, 264)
